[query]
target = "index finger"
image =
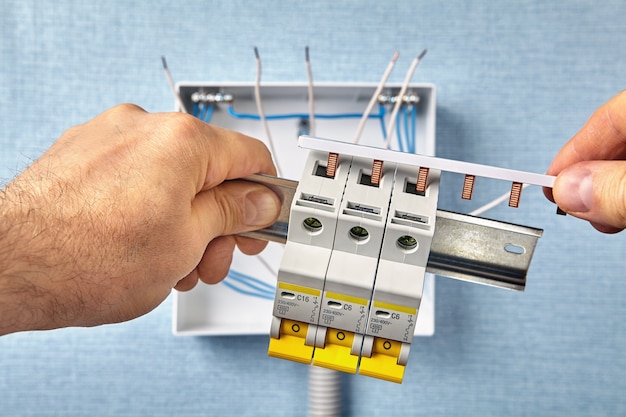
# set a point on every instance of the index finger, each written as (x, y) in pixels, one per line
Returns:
(603, 137)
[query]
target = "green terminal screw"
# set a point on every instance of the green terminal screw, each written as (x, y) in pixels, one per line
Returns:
(359, 233)
(407, 242)
(312, 224)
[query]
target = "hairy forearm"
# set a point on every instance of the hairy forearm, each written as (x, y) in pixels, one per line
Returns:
(53, 244)
(23, 300)
(41, 226)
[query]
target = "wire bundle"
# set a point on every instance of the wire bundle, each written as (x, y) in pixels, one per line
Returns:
(203, 111)
(401, 94)
(249, 285)
(406, 128)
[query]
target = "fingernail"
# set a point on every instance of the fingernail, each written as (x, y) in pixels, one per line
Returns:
(260, 208)
(575, 190)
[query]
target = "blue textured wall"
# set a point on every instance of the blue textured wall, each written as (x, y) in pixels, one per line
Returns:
(515, 80)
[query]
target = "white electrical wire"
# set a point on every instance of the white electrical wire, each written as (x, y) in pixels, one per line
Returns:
(170, 81)
(374, 99)
(309, 74)
(267, 265)
(504, 197)
(396, 107)
(259, 106)
(324, 392)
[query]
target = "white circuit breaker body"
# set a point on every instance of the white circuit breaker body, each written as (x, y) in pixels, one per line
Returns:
(400, 276)
(352, 267)
(305, 261)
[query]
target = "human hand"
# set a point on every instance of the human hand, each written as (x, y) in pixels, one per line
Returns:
(122, 209)
(591, 169)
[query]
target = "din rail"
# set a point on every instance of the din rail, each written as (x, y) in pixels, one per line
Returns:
(464, 247)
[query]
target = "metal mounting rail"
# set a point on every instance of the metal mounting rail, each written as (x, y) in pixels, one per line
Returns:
(464, 247)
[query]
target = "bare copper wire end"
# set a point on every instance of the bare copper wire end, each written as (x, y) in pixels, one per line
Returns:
(422, 180)
(331, 165)
(468, 187)
(377, 171)
(516, 193)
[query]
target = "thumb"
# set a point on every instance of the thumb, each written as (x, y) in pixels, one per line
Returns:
(235, 207)
(594, 191)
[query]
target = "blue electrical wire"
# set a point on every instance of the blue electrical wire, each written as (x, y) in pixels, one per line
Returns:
(248, 285)
(250, 116)
(196, 109)
(206, 112)
(252, 282)
(203, 111)
(383, 128)
(209, 113)
(407, 137)
(399, 134)
(251, 287)
(246, 292)
(406, 129)
(260, 282)
(251, 293)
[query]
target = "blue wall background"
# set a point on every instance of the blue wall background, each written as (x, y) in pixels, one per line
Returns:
(515, 80)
